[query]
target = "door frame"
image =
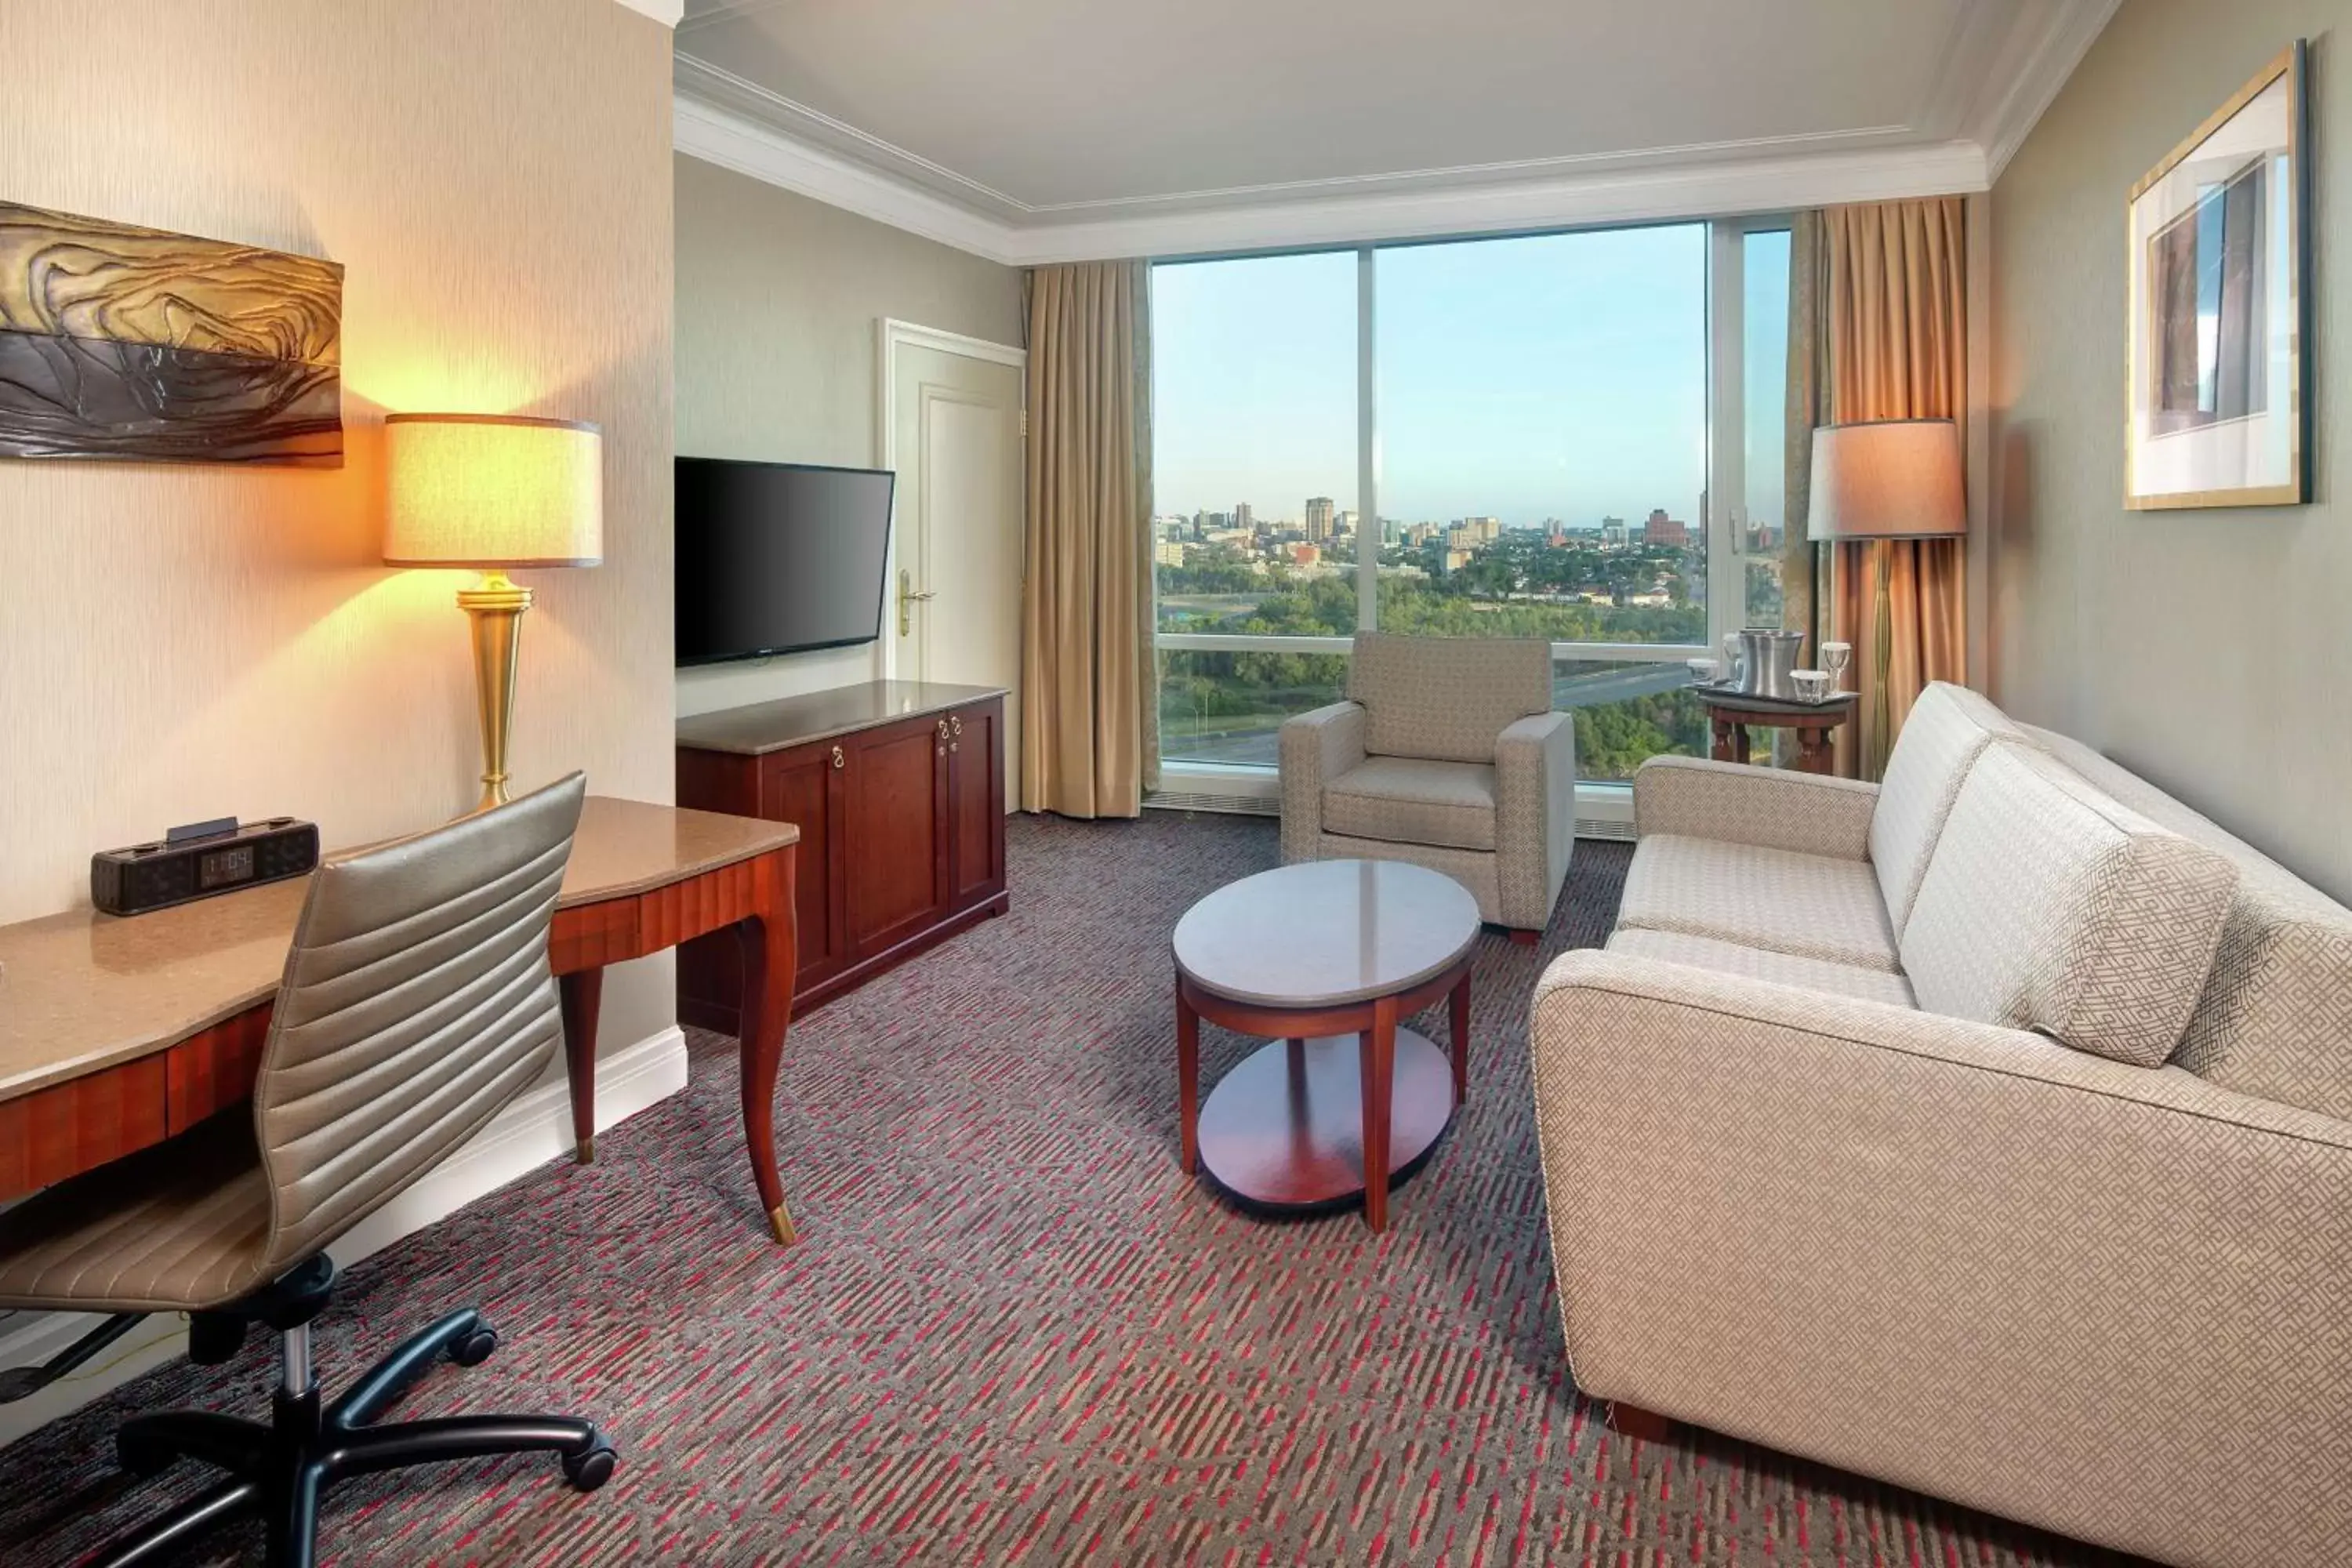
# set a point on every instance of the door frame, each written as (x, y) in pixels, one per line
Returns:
(889, 335)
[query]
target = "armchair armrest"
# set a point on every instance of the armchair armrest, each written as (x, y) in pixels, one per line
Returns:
(1771, 808)
(1314, 749)
(1959, 1258)
(1535, 816)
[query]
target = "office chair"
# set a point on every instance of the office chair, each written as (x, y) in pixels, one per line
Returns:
(416, 1003)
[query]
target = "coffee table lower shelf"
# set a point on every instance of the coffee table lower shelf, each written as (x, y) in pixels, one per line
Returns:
(1342, 1090)
(1285, 1129)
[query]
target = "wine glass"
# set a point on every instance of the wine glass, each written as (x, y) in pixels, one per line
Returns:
(1729, 674)
(1835, 656)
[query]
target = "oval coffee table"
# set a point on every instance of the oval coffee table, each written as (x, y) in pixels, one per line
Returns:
(1322, 958)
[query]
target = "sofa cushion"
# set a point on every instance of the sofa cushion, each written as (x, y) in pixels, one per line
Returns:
(1756, 963)
(1813, 906)
(2050, 906)
(1408, 800)
(2275, 1018)
(1446, 699)
(1948, 730)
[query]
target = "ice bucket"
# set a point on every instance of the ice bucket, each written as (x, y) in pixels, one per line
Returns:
(1765, 657)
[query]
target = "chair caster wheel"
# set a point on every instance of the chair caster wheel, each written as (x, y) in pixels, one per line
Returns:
(588, 1470)
(141, 1459)
(475, 1348)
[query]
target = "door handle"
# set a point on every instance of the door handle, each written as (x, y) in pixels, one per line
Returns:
(908, 599)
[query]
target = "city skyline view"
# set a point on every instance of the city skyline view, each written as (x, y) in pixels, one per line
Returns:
(1545, 446)
(1503, 390)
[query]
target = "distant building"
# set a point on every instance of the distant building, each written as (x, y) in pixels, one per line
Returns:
(1169, 553)
(1664, 530)
(1612, 533)
(1481, 530)
(1305, 555)
(1320, 510)
(1242, 514)
(1456, 559)
(1344, 523)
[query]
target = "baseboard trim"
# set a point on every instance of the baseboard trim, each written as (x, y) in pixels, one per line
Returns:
(530, 1133)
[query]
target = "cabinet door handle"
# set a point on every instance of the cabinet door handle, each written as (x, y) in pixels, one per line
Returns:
(956, 723)
(839, 760)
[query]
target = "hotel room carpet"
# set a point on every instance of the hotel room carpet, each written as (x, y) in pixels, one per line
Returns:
(1012, 1333)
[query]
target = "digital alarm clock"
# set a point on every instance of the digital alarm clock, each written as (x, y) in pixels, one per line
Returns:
(199, 860)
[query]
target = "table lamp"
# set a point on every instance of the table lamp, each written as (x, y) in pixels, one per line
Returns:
(497, 492)
(1882, 480)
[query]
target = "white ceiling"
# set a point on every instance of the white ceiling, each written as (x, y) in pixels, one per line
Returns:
(1046, 129)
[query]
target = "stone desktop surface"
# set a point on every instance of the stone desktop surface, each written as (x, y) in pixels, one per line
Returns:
(789, 722)
(83, 991)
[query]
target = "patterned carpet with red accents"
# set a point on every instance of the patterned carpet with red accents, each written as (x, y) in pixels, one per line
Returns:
(1013, 1334)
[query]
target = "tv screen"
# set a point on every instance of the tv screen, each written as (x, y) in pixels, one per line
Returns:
(777, 557)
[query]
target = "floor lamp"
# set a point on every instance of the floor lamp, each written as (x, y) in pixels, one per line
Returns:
(1882, 480)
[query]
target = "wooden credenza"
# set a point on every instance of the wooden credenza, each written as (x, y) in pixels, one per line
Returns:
(897, 788)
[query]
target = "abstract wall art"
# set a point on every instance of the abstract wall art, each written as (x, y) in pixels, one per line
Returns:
(126, 342)
(2220, 351)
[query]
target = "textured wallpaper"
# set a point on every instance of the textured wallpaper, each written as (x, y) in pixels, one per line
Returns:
(777, 298)
(2211, 651)
(186, 642)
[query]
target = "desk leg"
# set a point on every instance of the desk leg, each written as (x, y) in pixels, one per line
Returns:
(1816, 752)
(770, 959)
(1730, 741)
(582, 994)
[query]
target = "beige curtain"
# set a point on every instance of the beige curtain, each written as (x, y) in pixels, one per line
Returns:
(1894, 298)
(1801, 601)
(1088, 711)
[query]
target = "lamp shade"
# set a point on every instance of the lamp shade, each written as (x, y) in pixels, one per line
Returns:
(492, 490)
(1889, 479)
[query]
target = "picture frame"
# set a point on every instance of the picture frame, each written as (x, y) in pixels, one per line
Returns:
(2218, 389)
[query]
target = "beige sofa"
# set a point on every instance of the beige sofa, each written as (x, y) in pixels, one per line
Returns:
(1446, 753)
(1988, 1131)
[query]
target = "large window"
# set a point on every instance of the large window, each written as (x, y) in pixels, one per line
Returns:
(1527, 451)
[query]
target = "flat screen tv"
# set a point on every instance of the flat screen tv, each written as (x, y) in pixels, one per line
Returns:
(777, 557)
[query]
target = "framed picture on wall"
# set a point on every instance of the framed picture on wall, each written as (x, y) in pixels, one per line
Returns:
(2219, 399)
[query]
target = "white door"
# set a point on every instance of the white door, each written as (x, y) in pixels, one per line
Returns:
(953, 431)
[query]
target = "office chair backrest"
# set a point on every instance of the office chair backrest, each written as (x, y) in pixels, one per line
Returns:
(417, 1001)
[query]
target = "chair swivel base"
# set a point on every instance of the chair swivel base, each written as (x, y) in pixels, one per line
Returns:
(278, 1470)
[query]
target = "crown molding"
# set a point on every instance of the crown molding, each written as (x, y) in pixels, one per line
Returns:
(2043, 62)
(1999, 72)
(720, 136)
(1617, 196)
(723, 137)
(666, 12)
(696, 78)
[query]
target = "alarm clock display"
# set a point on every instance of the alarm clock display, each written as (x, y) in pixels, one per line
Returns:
(199, 860)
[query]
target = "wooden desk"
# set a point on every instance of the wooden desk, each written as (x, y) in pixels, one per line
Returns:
(117, 1033)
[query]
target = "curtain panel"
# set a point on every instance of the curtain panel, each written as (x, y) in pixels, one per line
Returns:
(1889, 280)
(1089, 699)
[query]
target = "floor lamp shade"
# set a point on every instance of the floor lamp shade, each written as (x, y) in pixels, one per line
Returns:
(497, 492)
(1889, 479)
(1878, 481)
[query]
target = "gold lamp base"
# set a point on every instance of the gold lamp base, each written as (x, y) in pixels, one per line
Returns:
(496, 605)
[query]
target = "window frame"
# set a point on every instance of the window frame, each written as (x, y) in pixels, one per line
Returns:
(1724, 522)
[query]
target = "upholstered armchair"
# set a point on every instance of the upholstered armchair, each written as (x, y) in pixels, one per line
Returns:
(1446, 753)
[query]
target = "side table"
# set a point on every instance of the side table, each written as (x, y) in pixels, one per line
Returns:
(1731, 714)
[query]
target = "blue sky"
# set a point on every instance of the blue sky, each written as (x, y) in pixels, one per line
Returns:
(1561, 376)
